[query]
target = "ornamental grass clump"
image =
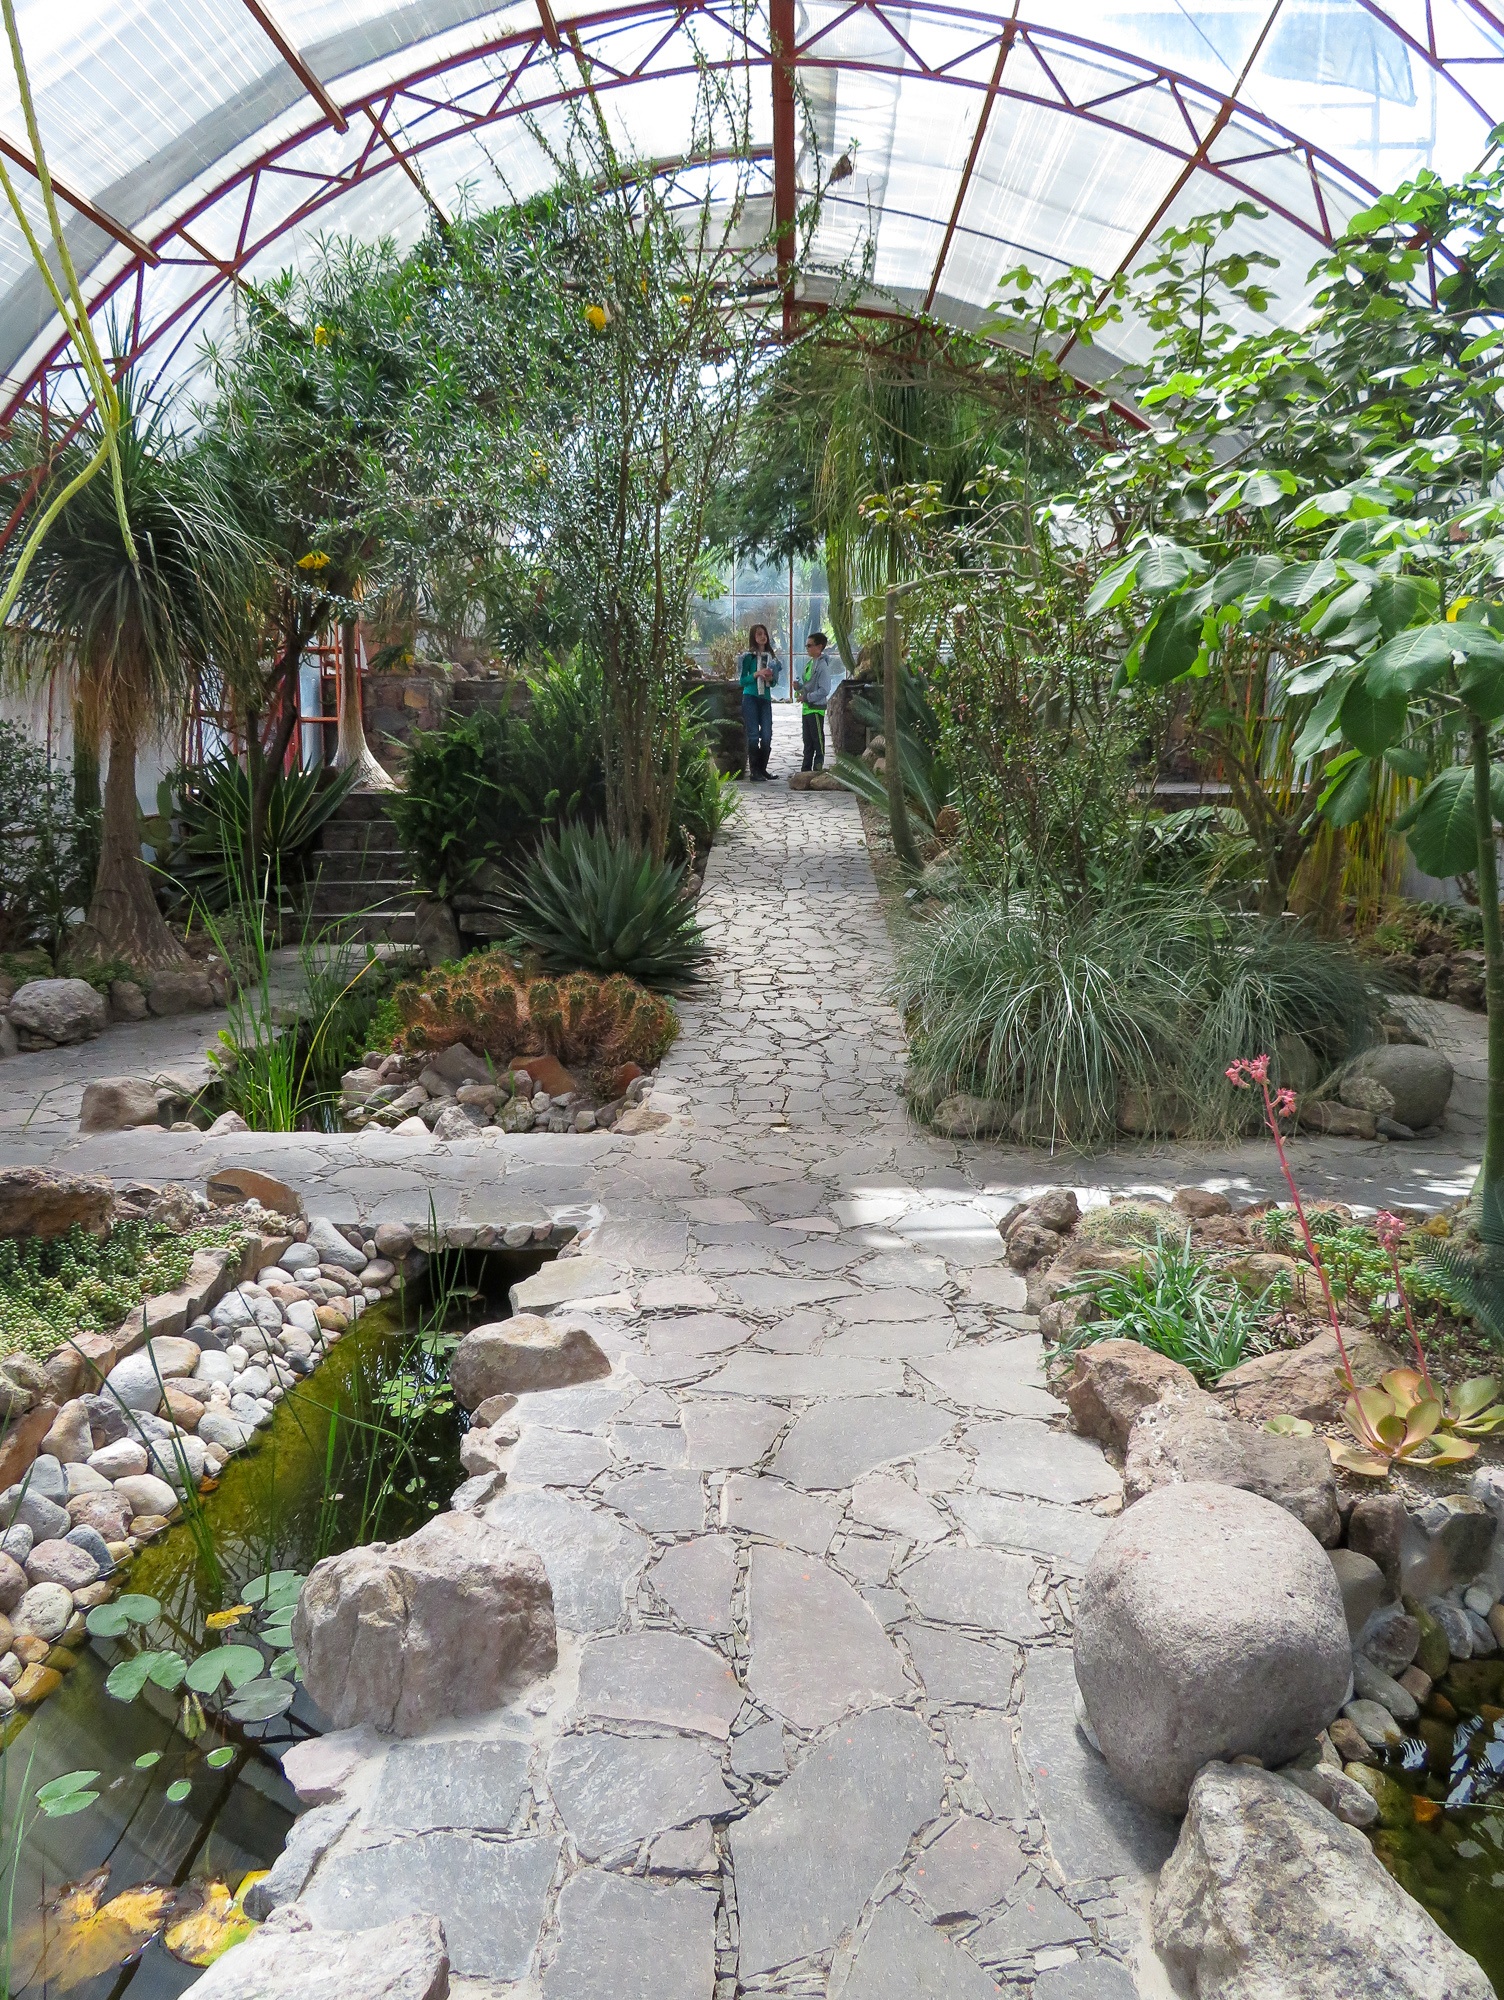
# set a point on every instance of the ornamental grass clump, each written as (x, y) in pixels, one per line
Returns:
(589, 903)
(1066, 1014)
(488, 1003)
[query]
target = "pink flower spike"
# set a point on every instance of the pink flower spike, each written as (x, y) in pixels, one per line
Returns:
(1236, 1077)
(1389, 1229)
(1284, 1103)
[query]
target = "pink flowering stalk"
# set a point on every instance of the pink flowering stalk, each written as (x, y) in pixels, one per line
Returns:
(1389, 1229)
(1242, 1075)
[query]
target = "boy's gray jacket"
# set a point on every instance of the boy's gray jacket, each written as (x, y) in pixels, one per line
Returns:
(814, 683)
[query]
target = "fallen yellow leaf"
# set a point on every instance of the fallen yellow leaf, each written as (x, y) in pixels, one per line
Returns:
(75, 1938)
(205, 1922)
(221, 1621)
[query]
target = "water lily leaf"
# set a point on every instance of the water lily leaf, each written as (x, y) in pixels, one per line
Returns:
(232, 1665)
(68, 1794)
(112, 1621)
(177, 1791)
(259, 1701)
(285, 1666)
(164, 1670)
(206, 1920)
(77, 1937)
(147, 1758)
(262, 1589)
(1286, 1426)
(277, 1636)
(138, 1607)
(217, 1759)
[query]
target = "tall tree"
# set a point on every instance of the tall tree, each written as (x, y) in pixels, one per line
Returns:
(132, 627)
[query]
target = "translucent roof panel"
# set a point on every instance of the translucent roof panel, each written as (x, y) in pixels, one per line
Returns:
(197, 144)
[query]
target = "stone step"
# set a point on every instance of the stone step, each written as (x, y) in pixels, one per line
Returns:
(374, 864)
(352, 836)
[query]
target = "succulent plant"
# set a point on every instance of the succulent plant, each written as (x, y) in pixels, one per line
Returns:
(586, 902)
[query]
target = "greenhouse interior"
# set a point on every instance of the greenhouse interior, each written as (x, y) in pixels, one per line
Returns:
(752, 1000)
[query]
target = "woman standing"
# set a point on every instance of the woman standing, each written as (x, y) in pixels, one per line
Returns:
(760, 668)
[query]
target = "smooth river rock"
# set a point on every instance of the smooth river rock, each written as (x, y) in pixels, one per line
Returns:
(1210, 1625)
(448, 1622)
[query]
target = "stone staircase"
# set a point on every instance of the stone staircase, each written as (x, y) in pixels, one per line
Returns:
(361, 885)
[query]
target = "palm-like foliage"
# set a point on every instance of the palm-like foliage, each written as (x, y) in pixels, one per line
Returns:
(215, 857)
(588, 902)
(133, 633)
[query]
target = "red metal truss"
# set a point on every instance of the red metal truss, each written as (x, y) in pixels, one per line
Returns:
(411, 114)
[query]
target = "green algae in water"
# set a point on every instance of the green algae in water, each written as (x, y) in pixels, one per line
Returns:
(1441, 1827)
(365, 1449)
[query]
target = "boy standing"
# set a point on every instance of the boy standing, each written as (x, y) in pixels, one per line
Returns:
(814, 693)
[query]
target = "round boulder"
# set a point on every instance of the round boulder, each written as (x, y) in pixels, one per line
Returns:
(1210, 1627)
(57, 1011)
(1417, 1082)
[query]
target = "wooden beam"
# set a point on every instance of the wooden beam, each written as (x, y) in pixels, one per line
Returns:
(132, 242)
(262, 15)
(974, 155)
(785, 193)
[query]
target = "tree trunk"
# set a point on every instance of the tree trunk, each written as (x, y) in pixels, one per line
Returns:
(898, 809)
(124, 921)
(353, 752)
(1491, 1175)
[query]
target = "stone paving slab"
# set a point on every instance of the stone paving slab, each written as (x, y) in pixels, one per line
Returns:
(812, 1544)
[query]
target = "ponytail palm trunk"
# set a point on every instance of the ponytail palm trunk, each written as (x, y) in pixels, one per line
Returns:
(133, 628)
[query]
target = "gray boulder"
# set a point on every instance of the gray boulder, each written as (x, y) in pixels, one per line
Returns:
(117, 1104)
(1412, 1084)
(54, 1011)
(1445, 1544)
(1267, 1894)
(332, 1247)
(403, 1635)
(524, 1353)
(1210, 1626)
(288, 1960)
(1183, 1441)
(185, 989)
(964, 1117)
(37, 1201)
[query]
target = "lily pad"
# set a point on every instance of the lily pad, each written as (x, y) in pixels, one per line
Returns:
(112, 1621)
(164, 1670)
(260, 1700)
(71, 1793)
(224, 1665)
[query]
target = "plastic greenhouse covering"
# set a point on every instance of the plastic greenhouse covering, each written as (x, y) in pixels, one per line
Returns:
(201, 143)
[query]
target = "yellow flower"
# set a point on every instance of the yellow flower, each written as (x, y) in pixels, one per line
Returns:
(598, 317)
(315, 559)
(685, 299)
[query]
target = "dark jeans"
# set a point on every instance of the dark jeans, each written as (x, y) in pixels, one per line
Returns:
(814, 739)
(757, 714)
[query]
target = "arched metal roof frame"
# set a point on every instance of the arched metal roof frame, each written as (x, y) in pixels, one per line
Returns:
(1215, 132)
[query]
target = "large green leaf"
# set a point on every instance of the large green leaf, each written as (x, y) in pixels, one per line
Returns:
(1321, 724)
(1347, 799)
(1440, 826)
(1244, 577)
(164, 1670)
(1412, 661)
(1115, 587)
(1372, 722)
(1170, 646)
(1166, 567)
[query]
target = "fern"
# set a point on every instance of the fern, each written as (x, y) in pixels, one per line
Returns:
(1471, 1281)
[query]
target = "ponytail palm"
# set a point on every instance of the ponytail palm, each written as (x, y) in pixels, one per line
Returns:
(132, 629)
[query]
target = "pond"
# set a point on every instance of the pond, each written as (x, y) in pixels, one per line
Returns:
(188, 1799)
(1441, 1826)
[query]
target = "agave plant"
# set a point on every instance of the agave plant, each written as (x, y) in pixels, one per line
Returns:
(587, 903)
(1397, 1422)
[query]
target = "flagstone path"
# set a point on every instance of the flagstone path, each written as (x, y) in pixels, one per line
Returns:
(814, 1544)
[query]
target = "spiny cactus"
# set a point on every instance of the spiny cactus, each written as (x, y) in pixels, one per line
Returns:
(583, 1019)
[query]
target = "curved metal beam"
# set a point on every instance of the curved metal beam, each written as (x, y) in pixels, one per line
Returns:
(428, 121)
